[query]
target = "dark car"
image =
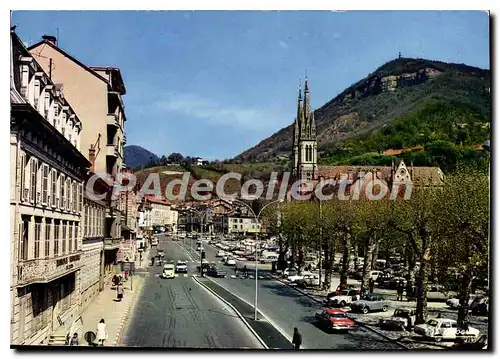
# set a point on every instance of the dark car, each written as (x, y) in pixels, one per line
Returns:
(205, 267)
(216, 272)
(370, 303)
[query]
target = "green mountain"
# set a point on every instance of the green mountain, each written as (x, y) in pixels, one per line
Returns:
(405, 102)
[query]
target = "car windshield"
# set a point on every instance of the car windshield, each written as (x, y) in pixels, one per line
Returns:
(344, 292)
(338, 315)
(432, 323)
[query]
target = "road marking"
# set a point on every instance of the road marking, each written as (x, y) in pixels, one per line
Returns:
(262, 342)
(282, 332)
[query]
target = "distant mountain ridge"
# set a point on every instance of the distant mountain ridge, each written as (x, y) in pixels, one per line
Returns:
(136, 156)
(396, 89)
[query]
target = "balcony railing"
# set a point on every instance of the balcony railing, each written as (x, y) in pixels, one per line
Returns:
(112, 119)
(112, 243)
(112, 150)
(47, 269)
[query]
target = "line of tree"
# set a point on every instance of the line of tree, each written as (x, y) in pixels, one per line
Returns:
(444, 228)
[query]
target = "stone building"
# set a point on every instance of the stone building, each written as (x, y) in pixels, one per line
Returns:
(47, 175)
(96, 96)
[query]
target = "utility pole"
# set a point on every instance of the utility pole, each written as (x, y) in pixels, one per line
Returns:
(50, 68)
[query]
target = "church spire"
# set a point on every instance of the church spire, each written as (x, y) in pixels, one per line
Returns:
(306, 99)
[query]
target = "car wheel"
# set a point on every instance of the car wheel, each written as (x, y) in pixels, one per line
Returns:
(365, 310)
(385, 308)
(342, 304)
(438, 338)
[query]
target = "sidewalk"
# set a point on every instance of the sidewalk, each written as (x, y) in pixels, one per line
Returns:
(114, 313)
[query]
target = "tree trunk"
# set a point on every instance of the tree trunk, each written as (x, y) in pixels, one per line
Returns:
(464, 295)
(355, 253)
(328, 266)
(345, 259)
(282, 254)
(367, 264)
(294, 240)
(422, 284)
(411, 262)
(301, 257)
(375, 255)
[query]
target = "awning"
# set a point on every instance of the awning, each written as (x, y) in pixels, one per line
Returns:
(127, 228)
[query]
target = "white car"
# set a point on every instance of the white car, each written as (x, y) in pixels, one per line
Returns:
(296, 277)
(181, 267)
(289, 272)
(346, 297)
(441, 328)
(231, 262)
(220, 254)
(454, 303)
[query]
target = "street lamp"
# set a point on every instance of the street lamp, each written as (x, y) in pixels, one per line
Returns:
(257, 216)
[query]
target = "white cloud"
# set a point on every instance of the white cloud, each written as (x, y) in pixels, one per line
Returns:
(217, 114)
(283, 44)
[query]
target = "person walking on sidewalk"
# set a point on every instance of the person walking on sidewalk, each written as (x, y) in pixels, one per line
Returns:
(102, 332)
(119, 292)
(400, 291)
(297, 339)
(371, 284)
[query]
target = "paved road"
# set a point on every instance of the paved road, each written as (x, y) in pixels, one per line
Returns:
(180, 313)
(285, 308)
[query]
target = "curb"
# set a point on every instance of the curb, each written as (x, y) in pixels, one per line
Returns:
(236, 311)
(367, 326)
(126, 316)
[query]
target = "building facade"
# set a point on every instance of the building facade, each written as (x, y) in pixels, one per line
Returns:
(46, 200)
(96, 96)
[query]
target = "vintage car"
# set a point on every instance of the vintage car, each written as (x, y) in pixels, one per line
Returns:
(480, 306)
(217, 272)
(399, 320)
(181, 267)
(230, 261)
(160, 253)
(308, 280)
(443, 328)
(454, 303)
(370, 303)
(168, 271)
(334, 319)
(345, 297)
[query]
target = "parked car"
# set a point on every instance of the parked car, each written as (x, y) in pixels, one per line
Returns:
(181, 267)
(289, 272)
(308, 280)
(345, 297)
(334, 319)
(399, 319)
(369, 303)
(443, 328)
(220, 254)
(215, 271)
(231, 262)
(454, 303)
(480, 306)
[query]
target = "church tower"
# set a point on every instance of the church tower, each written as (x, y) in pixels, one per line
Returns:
(304, 139)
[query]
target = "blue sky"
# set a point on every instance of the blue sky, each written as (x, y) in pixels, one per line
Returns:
(213, 84)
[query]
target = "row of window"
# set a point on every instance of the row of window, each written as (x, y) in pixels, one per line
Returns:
(93, 221)
(43, 185)
(49, 103)
(51, 239)
(309, 153)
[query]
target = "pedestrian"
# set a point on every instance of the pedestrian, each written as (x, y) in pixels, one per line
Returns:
(371, 284)
(119, 292)
(297, 339)
(102, 332)
(440, 315)
(400, 291)
(74, 340)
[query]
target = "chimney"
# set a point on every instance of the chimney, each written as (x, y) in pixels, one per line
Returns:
(51, 39)
(92, 159)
